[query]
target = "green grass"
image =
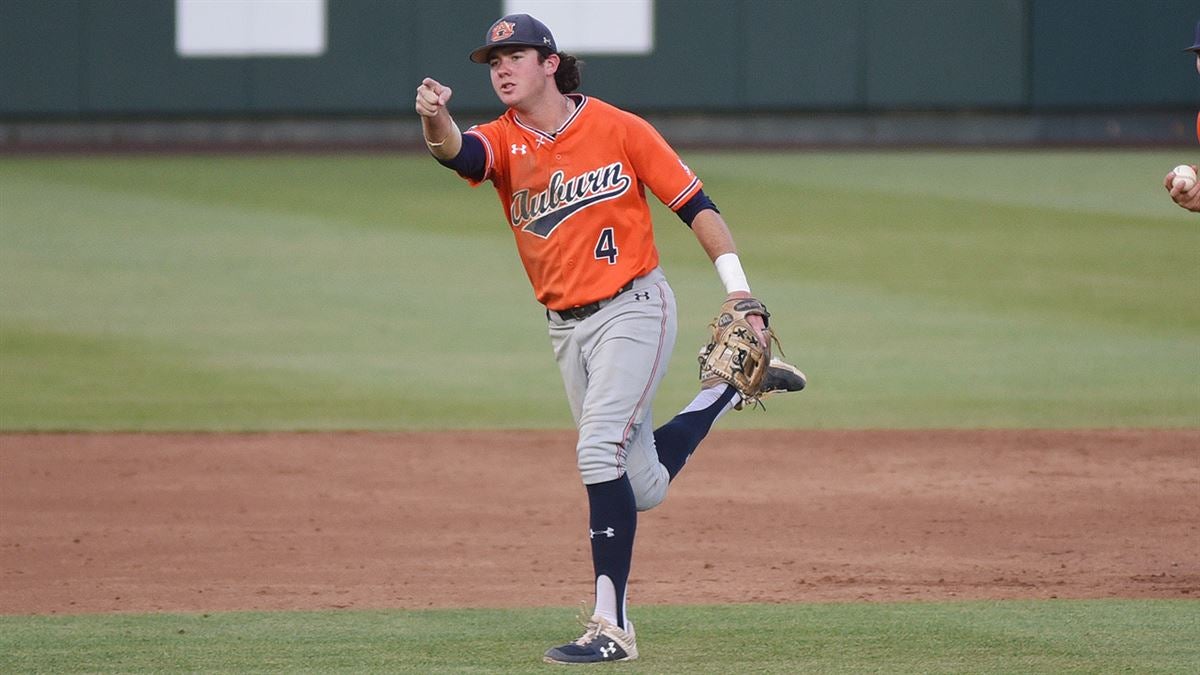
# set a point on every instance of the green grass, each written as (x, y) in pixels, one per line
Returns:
(1101, 636)
(962, 289)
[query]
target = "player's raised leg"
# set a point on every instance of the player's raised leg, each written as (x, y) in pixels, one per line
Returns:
(676, 440)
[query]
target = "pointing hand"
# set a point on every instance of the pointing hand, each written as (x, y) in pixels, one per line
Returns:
(432, 97)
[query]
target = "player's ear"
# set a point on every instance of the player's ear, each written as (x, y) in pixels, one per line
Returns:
(551, 63)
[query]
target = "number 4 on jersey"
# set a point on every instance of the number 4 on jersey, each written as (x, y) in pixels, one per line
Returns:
(606, 247)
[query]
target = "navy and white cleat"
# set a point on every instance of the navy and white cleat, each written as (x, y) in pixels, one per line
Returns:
(782, 377)
(601, 642)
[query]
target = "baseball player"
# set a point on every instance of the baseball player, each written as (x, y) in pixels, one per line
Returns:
(571, 172)
(1188, 199)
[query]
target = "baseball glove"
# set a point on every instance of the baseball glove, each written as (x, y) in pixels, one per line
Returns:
(735, 354)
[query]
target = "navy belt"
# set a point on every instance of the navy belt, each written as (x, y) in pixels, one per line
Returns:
(584, 311)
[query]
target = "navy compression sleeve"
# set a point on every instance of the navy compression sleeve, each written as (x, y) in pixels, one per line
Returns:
(699, 201)
(471, 160)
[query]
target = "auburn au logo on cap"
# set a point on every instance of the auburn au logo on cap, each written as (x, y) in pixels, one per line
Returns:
(502, 30)
(518, 30)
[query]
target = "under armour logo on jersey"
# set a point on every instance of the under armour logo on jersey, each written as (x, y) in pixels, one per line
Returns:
(641, 295)
(609, 650)
(608, 532)
(520, 149)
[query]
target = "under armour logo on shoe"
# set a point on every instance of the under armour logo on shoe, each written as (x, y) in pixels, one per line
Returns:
(520, 149)
(641, 295)
(608, 532)
(609, 650)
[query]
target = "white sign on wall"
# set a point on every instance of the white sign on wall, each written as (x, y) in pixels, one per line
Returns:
(594, 26)
(240, 28)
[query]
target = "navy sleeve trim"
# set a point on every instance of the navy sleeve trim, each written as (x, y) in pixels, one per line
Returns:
(471, 160)
(692, 208)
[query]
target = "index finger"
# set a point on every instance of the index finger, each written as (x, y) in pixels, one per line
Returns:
(431, 83)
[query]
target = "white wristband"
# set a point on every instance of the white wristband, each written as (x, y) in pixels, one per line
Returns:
(729, 268)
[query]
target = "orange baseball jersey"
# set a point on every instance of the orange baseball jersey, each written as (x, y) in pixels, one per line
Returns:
(575, 199)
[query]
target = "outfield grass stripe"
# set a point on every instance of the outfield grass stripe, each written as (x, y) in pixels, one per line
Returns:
(1126, 184)
(378, 292)
(1095, 636)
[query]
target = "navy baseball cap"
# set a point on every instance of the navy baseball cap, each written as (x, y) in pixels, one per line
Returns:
(519, 30)
(1196, 45)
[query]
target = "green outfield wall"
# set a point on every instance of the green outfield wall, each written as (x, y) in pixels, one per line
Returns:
(86, 59)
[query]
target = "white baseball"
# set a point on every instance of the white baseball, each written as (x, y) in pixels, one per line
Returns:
(1185, 177)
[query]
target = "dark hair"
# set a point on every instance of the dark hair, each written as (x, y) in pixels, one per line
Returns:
(566, 78)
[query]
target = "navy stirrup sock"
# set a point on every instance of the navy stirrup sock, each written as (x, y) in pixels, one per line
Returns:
(613, 522)
(677, 440)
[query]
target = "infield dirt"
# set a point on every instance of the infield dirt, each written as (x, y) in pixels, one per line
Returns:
(209, 522)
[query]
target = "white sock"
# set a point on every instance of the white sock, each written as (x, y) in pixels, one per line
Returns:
(606, 600)
(709, 396)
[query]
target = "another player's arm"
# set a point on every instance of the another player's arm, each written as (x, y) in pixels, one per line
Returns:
(442, 135)
(1188, 199)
